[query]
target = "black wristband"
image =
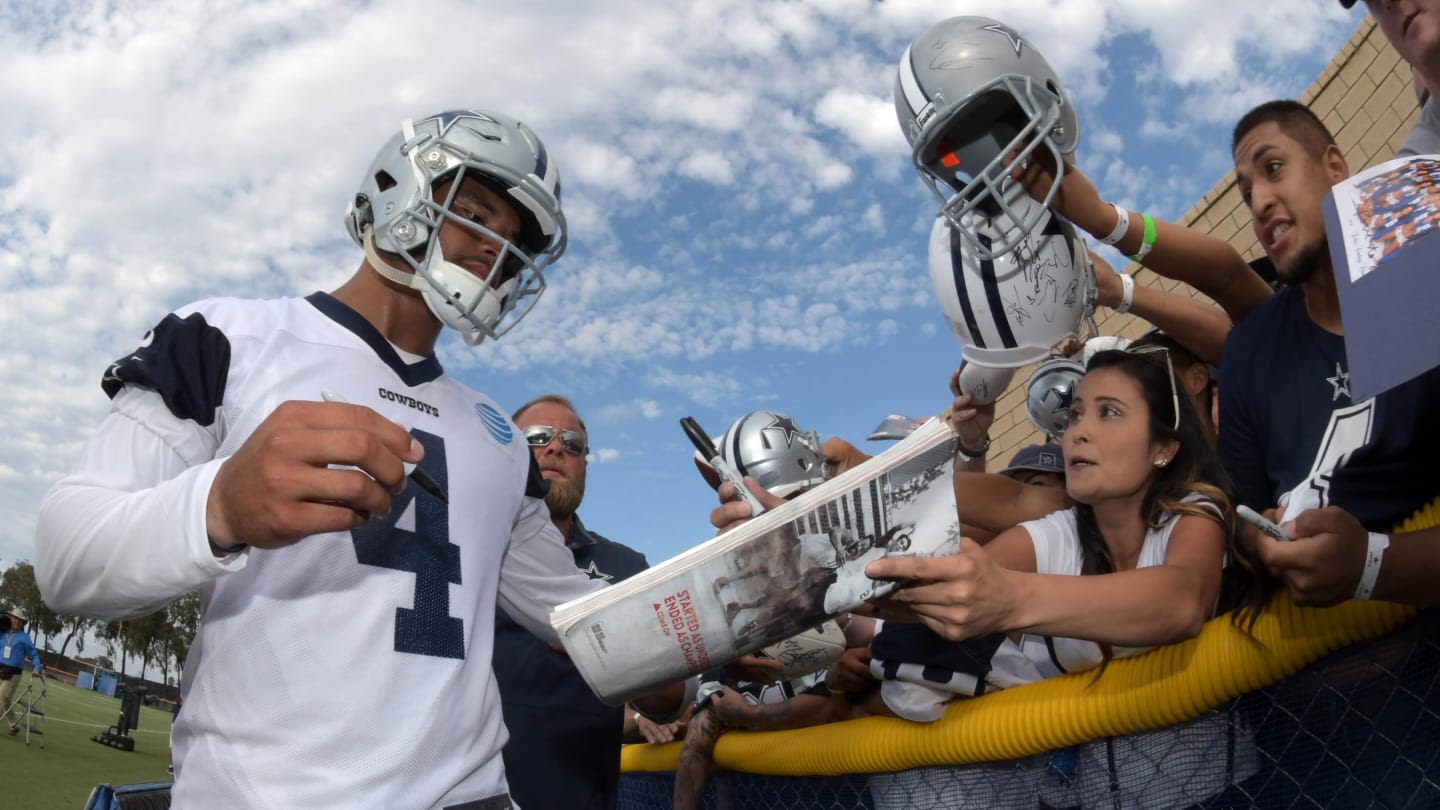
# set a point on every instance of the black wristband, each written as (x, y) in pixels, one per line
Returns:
(970, 455)
(221, 553)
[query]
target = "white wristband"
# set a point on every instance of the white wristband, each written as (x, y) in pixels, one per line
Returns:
(1127, 293)
(1378, 543)
(1122, 226)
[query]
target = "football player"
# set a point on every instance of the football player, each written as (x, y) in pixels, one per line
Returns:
(350, 556)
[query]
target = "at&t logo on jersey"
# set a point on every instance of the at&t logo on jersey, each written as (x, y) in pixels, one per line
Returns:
(495, 422)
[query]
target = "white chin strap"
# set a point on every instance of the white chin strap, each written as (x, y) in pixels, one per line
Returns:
(460, 299)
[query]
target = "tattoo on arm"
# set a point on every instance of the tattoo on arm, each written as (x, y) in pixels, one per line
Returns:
(693, 767)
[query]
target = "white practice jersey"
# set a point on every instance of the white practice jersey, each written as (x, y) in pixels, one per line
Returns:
(349, 669)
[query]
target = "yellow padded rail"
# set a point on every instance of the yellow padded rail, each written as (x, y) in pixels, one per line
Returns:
(1165, 686)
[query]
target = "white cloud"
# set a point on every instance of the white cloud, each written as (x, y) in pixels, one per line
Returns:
(868, 121)
(711, 167)
(604, 455)
(734, 180)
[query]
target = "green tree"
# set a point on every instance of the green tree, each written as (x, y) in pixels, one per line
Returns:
(18, 589)
(114, 638)
(75, 626)
(145, 637)
(184, 615)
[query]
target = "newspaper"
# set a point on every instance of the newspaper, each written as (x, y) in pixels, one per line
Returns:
(1382, 225)
(769, 578)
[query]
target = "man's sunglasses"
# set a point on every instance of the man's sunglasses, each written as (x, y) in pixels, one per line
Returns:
(571, 441)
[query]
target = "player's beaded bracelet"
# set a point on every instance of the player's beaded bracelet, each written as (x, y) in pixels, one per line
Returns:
(1373, 555)
(1122, 226)
(1127, 293)
(1148, 241)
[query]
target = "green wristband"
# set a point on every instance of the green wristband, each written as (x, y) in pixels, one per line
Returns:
(1147, 241)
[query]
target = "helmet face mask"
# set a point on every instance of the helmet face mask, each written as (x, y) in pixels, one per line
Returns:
(974, 98)
(781, 456)
(396, 210)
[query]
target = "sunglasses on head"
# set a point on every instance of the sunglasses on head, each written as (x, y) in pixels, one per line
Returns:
(571, 441)
(1169, 375)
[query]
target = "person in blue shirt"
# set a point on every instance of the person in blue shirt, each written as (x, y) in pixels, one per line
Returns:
(15, 647)
(1343, 472)
(564, 747)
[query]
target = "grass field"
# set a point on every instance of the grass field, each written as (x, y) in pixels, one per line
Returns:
(60, 775)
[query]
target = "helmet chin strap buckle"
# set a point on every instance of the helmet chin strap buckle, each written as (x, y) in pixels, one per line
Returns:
(386, 270)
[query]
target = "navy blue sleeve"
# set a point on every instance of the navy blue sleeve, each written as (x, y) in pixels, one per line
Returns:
(186, 361)
(901, 643)
(1241, 445)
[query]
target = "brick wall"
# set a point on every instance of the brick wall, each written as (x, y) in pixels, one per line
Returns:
(1364, 97)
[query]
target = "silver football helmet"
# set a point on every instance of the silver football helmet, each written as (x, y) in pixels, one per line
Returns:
(781, 456)
(1012, 310)
(1049, 391)
(973, 95)
(395, 210)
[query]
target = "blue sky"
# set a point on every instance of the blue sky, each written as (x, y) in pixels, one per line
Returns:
(745, 229)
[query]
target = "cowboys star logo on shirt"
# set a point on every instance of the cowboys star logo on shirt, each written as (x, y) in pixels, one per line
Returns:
(1340, 382)
(594, 572)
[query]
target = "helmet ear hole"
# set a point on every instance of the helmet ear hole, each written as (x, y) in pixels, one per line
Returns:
(361, 214)
(384, 181)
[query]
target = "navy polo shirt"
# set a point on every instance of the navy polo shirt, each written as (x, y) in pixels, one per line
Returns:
(564, 748)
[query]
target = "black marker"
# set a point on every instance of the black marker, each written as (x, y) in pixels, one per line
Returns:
(412, 471)
(725, 469)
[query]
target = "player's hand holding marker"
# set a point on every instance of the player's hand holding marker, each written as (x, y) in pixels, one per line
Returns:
(280, 486)
(412, 469)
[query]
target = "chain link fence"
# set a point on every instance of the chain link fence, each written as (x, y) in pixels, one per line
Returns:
(1358, 728)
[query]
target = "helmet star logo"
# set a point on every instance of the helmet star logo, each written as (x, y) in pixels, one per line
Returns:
(1063, 395)
(1016, 41)
(787, 426)
(447, 119)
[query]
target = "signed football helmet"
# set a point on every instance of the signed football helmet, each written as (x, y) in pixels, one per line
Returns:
(781, 456)
(973, 97)
(1012, 310)
(396, 211)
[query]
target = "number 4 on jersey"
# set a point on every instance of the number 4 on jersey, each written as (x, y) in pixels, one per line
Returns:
(427, 628)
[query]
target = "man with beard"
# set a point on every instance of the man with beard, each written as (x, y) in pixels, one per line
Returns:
(1344, 472)
(564, 748)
